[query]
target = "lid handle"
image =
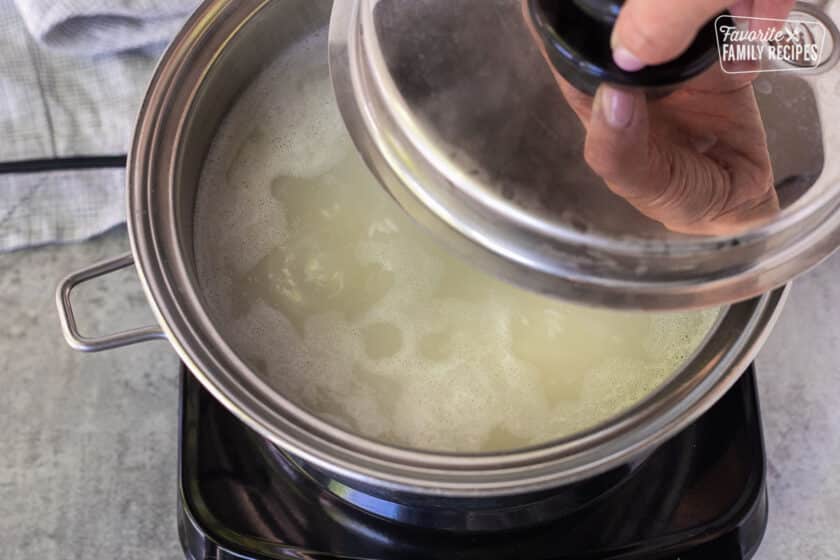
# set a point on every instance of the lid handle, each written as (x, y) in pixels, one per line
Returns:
(576, 40)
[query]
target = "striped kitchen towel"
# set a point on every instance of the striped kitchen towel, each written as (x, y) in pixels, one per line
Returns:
(72, 76)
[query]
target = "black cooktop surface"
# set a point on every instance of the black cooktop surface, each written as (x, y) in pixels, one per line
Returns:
(701, 496)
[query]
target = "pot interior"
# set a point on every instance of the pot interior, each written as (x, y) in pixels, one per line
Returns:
(344, 306)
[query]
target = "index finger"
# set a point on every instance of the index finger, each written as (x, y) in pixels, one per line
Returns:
(653, 32)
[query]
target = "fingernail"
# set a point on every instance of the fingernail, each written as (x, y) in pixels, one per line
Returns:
(618, 107)
(626, 60)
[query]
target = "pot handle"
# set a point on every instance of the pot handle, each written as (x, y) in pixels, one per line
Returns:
(68, 322)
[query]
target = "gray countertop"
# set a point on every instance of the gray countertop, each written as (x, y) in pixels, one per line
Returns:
(88, 445)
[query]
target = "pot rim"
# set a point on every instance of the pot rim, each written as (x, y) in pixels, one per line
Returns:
(173, 293)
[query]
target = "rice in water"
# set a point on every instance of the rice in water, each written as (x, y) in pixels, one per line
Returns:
(321, 283)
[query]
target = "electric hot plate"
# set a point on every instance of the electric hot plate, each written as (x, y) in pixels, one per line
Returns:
(700, 496)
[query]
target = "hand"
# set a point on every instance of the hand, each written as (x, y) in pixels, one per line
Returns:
(696, 161)
(652, 32)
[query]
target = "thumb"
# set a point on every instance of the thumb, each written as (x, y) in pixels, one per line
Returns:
(618, 146)
(653, 32)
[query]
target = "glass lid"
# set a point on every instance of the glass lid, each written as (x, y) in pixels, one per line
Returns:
(530, 137)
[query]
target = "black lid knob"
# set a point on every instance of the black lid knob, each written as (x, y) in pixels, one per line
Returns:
(577, 38)
(602, 10)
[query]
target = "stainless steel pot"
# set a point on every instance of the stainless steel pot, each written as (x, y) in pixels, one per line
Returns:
(222, 47)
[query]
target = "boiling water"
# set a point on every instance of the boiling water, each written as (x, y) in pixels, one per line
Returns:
(322, 284)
